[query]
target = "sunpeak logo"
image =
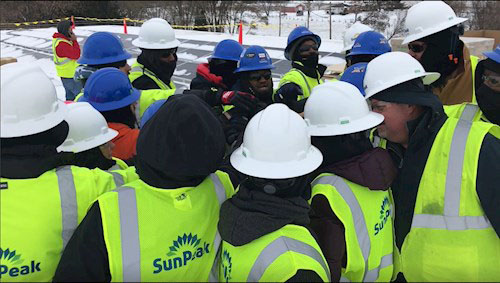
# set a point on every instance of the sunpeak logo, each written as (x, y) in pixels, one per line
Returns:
(11, 264)
(183, 251)
(227, 265)
(385, 212)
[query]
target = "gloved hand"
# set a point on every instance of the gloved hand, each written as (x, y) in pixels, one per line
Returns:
(235, 129)
(244, 102)
(288, 92)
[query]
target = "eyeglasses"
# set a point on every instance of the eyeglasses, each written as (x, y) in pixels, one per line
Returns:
(257, 76)
(492, 79)
(169, 52)
(417, 48)
(306, 48)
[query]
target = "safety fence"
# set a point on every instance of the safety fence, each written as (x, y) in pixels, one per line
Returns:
(83, 21)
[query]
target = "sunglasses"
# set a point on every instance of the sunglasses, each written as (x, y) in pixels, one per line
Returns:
(306, 48)
(257, 77)
(417, 48)
(169, 52)
(494, 80)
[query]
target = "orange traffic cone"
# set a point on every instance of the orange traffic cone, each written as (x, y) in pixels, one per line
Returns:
(240, 37)
(125, 25)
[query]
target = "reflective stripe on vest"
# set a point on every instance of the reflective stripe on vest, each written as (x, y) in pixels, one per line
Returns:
(359, 225)
(469, 112)
(117, 177)
(129, 229)
(451, 220)
(150, 74)
(69, 209)
(278, 247)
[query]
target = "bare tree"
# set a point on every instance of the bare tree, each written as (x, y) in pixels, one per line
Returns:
(485, 15)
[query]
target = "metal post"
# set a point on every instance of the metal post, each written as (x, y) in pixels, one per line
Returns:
(330, 8)
(279, 31)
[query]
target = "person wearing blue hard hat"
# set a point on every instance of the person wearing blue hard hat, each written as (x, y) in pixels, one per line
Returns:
(152, 109)
(487, 87)
(101, 50)
(218, 72)
(355, 75)
(110, 92)
(302, 49)
(367, 46)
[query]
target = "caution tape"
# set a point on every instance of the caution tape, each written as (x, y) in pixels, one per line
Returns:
(252, 25)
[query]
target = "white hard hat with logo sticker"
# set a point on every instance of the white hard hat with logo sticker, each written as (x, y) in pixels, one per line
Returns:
(429, 17)
(156, 33)
(393, 68)
(338, 108)
(276, 145)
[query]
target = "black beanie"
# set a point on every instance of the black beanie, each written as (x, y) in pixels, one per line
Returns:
(182, 140)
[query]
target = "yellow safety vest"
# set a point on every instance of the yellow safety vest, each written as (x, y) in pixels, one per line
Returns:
(475, 113)
(473, 63)
(367, 219)
(275, 257)
(149, 96)
(306, 83)
(65, 67)
(451, 239)
(39, 215)
(120, 165)
(154, 234)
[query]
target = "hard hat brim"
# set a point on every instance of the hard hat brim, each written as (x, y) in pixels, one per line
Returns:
(369, 121)
(34, 126)
(427, 78)
(493, 56)
(434, 30)
(112, 105)
(88, 144)
(276, 170)
(254, 68)
(147, 45)
(88, 61)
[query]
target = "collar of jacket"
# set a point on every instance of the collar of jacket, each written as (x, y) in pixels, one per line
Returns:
(315, 73)
(30, 161)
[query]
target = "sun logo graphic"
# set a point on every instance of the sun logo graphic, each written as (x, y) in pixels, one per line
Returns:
(11, 264)
(226, 265)
(184, 249)
(385, 212)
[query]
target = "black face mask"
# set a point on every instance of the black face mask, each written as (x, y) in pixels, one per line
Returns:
(489, 103)
(225, 70)
(310, 61)
(151, 60)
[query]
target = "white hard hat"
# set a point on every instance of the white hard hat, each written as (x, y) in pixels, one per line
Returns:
(276, 145)
(156, 33)
(429, 17)
(338, 108)
(29, 103)
(87, 128)
(393, 68)
(352, 33)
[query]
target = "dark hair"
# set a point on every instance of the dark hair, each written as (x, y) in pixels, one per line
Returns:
(122, 115)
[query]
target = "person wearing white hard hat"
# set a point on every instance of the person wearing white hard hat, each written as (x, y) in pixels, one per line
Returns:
(89, 138)
(351, 204)
(42, 199)
(433, 40)
(264, 225)
(446, 193)
(152, 72)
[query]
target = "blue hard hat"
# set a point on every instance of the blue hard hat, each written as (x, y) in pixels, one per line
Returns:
(227, 49)
(254, 58)
(151, 110)
(494, 55)
(296, 34)
(109, 89)
(355, 75)
(370, 43)
(103, 48)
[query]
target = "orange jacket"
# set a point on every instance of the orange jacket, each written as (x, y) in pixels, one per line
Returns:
(125, 141)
